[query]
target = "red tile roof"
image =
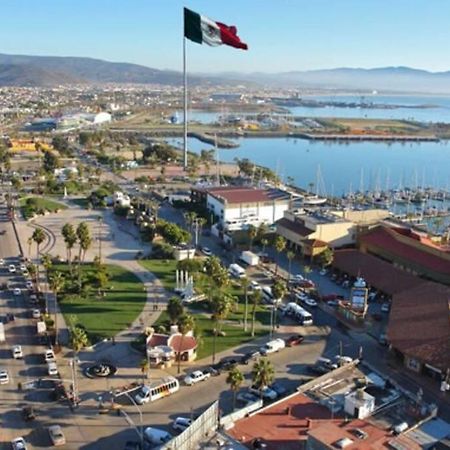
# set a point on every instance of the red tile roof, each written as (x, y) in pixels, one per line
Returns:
(407, 249)
(157, 339)
(182, 344)
(377, 273)
(419, 324)
(238, 194)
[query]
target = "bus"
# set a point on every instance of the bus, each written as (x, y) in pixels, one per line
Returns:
(299, 313)
(157, 390)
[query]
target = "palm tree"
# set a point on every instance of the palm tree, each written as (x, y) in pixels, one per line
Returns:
(78, 338)
(47, 263)
(256, 300)
(252, 232)
(30, 243)
(38, 236)
(186, 324)
(221, 306)
(245, 283)
(235, 378)
(84, 242)
(145, 368)
(56, 282)
(174, 309)
(290, 256)
(263, 373)
(280, 245)
(279, 290)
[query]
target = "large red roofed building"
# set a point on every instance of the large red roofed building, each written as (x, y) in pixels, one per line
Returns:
(408, 252)
(237, 207)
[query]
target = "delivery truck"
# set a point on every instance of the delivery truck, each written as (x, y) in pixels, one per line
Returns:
(250, 258)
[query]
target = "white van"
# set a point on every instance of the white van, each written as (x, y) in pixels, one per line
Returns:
(156, 436)
(273, 346)
(236, 271)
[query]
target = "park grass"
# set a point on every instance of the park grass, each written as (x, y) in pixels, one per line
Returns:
(234, 334)
(163, 269)
(104, 317)
(38, 205)
(82, 202)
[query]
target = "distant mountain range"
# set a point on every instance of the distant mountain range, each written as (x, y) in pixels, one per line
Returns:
(23, 70)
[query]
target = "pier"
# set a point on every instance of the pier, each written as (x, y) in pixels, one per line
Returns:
(370, 137)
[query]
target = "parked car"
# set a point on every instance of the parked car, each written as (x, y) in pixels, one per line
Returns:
(263, 391)
(28, 413)
(4, 377)
(156, 436)
(295, 339)
(254, 286)
(195, 377)
(2, 262)
(278, 388)
(17, 352)
(12, 268)
(323, 365)
(341, 360)
(272, 346)
(52, 368)
(23, 267)
(19, 444)
(17, 291)
(181, 423)
(310, 302)
(250, 356)
(143, 395)
(49, 355)
(206, 251)
(36, 314)
(211, 371)
(382, 339)
(246, 397)
(10, 317)
(29, 284)
(227, 363)
(56, 435)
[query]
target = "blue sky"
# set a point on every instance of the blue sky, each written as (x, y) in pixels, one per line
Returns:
(282, 34)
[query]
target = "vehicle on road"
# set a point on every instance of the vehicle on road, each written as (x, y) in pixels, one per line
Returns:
(12, 268)
(17, 291)
(17, 352)
(29, 284)
(156, 436)
(278, 388)
(28, 413)
(341, 360)
(310, 302)
(56, 435)
(4, 377)
(2, 332)
(195, 377)
(250, 258)
(19, 444)
(236, 271)
(41, 328)
(254, 286)
(264, 392)
(2, 262)
(247, 397)
(36, 314)
(206, 251)
(382, 339)
(52, 368)
(23, 267)
(298, 313)
(157, 390)
(272, 346)
(323, 365)
(211, 371)
(181, 423)
(49, 355)
(250, 356)
(295, 339)
(226, 363)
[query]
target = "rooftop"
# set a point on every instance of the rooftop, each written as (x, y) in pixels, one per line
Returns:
(419, 323)
(241, 194)
(377, 273)
(297, 226)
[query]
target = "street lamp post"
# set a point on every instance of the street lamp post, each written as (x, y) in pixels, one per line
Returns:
(130, 421)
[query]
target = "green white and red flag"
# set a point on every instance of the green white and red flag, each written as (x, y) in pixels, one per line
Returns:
(203, 30)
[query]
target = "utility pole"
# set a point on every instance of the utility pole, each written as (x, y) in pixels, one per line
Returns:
(100, 220)
(73, 364)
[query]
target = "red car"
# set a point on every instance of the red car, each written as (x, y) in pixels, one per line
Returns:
(296, 339)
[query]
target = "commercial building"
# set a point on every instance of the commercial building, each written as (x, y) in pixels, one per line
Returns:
(408, 251)
(419, 328)
(237, 207)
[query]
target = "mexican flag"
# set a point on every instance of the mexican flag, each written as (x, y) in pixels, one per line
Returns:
(200, 29)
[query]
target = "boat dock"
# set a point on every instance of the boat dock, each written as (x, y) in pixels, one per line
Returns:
(370, 137)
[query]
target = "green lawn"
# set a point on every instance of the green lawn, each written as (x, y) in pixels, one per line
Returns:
(38, 205)
(235, 335)
(104, 317)
(164, 269)
(82, 202)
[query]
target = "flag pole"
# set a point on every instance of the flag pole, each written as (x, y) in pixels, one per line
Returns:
(185, 119)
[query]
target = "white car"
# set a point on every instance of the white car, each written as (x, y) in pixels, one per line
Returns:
(206, 251)
(255, 286)
(2, 262)
(342, 360)
(265, 392)
(56, 435)
(23, 268)
(310, 302)
(29, 284)
(143, 396)
(196, 377)
(19, 444)
(52, 368)
(181, 423)
(4, 377)
(49, 355)
(17, 291)
(25, 273)
(17, 352)
(12, 268)
(36, 314)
